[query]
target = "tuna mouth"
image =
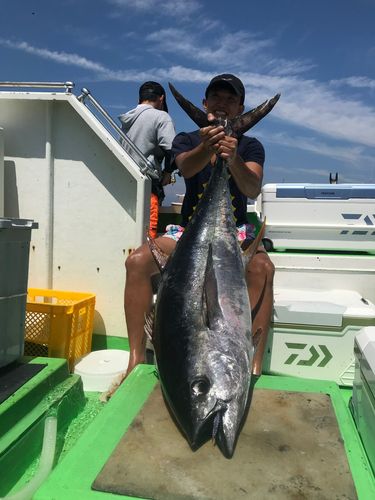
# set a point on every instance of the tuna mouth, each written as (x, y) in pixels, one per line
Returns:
(221, 435)
(217, 421)
(209, 426)
(224, 428)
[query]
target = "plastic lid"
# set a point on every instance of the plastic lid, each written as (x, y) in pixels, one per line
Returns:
(319, 307)
(11, 223)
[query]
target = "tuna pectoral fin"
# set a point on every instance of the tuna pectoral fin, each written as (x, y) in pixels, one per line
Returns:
(161, 258)
(251, 251)
(211, 307)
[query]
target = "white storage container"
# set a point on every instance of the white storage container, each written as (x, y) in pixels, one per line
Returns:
(319, 216)
(99, 368)
(312, 333)
(15, 235)
(363, 402)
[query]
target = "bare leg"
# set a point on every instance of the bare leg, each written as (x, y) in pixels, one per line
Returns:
(259, 276)
(140, 266)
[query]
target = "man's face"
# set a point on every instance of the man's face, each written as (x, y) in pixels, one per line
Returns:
(223, 104)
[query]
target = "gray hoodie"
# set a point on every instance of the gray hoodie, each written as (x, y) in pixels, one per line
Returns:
(151, 130)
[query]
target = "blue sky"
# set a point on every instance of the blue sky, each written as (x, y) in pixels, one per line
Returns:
(319, 54)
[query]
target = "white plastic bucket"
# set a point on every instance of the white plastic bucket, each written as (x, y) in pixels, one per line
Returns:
(98, 368)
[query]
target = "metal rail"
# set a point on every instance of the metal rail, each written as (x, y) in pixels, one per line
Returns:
(145, 166)
(39, 85)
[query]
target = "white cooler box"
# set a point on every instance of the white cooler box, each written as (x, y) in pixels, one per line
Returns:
(363, 402)
(312, 333)
(319, 216)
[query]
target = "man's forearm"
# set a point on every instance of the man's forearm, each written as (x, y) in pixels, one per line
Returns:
(167, 160)
(194, 161)
(248, 181)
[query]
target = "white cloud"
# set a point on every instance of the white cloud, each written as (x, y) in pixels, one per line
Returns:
(174, 8)
(87, 37)
(352, 154)
(314, 105)
(59, 57)
(355, 81)
(281, 67)
(229, 50)
(304, 103)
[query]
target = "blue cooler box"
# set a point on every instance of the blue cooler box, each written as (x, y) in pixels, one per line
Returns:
(319, 216)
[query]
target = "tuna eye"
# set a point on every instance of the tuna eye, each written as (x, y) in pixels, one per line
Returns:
(200, 387)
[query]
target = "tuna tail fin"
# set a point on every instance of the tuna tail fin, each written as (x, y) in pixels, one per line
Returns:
(161, 258)
(211, 307)
(238, 126)
(243, 123)
(197, 115)
(251, 251)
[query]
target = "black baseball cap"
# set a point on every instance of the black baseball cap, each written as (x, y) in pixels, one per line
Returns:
(231, 81)
(153, 88)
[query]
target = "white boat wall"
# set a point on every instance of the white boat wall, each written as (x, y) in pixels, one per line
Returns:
(61, 167)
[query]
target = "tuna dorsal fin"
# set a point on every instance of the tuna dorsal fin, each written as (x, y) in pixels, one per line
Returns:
(197, 115)
(212, 310)
(251, 251)
(161, 258)
(236, 127)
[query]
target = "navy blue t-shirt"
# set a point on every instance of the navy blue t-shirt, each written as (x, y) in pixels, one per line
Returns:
(249, 149)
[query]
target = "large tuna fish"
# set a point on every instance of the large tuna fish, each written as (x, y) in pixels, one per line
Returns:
(202, 330)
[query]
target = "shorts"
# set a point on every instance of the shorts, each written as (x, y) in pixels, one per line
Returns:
(245, 232)
(154, 215)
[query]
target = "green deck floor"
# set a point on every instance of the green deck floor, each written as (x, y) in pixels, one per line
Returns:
(73, 477)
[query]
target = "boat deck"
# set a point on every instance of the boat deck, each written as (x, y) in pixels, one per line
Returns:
(73, 477)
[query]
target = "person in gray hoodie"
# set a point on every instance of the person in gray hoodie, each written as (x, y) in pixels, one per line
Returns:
(152, 130)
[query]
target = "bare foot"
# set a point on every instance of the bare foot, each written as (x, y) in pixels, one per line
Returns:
(117, 381)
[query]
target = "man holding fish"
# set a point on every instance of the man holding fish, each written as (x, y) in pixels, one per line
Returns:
(194, 155)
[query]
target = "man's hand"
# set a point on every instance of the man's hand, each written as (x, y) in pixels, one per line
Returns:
(215, 140)
(210, 137)
(166, 178)
(228, 149)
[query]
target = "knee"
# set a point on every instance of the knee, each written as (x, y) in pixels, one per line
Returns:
(135, 262)
(260, 267)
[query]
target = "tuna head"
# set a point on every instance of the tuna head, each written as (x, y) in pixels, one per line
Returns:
(212, 402)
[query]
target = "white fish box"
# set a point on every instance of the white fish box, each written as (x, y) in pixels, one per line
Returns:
(15, 235)
(319, 216)
(312, 333)
(363, 402)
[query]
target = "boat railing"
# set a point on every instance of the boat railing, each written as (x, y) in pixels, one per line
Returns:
(39, 85)
(145, 166)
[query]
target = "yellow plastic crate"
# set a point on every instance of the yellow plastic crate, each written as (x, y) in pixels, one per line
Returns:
(59, 324)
